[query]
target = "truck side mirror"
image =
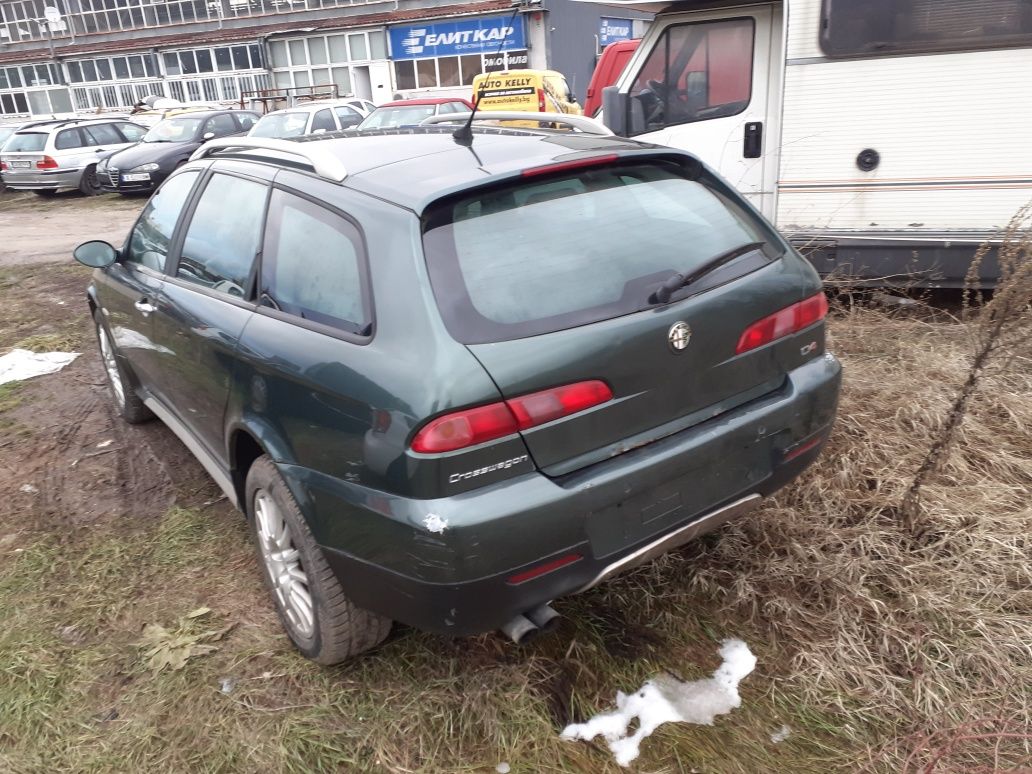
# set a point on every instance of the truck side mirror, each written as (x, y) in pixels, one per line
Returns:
(614, 110)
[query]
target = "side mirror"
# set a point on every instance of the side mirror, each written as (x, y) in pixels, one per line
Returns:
(208, 136)
(96, 254)
(614, 108)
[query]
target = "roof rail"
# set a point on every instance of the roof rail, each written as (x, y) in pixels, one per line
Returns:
(325, 163)
(578, 123)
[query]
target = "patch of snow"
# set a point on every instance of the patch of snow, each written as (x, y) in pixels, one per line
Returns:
(780, 735)
(29, 488)
(21, 364)
(666, 699)
(434, 523)
(502, 768)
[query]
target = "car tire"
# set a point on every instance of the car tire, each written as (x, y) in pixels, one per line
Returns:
(89, 184)
(320, 620)
(127, 402)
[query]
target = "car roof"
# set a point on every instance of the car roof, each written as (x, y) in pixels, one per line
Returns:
(416, 165)
(424, 101)
(54, 124)
(312, 107)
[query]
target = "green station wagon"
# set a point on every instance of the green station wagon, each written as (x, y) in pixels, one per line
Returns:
(451, 380)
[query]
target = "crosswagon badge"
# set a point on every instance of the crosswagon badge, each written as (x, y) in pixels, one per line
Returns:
(679, 336)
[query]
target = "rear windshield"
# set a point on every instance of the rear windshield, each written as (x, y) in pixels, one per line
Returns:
(26, 142)
(558, 252)
(281, 125)
(387, 118)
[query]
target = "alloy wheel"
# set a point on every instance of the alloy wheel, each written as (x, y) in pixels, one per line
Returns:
(283, 563)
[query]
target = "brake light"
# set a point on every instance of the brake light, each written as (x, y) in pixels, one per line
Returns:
(46, 163)
(473, 426)
(548, 169)
(3, 166)
(541, 100)
(782, 323)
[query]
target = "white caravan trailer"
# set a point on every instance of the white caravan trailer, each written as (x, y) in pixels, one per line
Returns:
(894, 136)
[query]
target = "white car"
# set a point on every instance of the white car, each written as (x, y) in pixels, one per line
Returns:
(308, 118)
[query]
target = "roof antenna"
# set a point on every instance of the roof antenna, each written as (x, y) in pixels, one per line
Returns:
(464, 134)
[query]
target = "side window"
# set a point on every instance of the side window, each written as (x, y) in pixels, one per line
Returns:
(246, 120)
(103, 134)
(131, 132)
(695, 72)
(148, 244)
(67, 139)
(222, 240)
(348, 117)
(312, 265)
(324, 120)
(222, 125)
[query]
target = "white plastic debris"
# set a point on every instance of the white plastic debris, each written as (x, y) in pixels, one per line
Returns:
(227, 684)
(434, 523)
(666, 699)
(29, 489)
(502, 768)
(105, 444)
(21, 364)
(780, 735)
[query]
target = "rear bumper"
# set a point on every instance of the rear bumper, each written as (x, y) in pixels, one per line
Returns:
(613, 515)
(43, 180)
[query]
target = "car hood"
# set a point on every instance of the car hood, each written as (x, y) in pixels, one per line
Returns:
(152, 153)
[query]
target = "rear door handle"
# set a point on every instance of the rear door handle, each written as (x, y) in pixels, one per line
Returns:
(752, 145)
(144, 307)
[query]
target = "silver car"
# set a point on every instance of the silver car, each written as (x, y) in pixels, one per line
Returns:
(61, 156)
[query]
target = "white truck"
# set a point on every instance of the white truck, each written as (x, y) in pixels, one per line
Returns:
(889, 137)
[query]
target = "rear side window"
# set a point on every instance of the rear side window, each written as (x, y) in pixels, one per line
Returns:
(246, 120)
(221, 125)
(312, 265)
(67, 139)
(148, 244)
(348, 117)
(27, 142)
(323, 120)
(103, 134)
(224, 234)
(558, 252)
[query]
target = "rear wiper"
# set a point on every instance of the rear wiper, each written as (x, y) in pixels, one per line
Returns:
(678, 281)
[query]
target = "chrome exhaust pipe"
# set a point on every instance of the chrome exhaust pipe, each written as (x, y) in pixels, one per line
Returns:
(544, 617)
(520, 630)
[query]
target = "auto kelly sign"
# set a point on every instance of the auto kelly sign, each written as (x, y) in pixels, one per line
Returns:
(486, 34)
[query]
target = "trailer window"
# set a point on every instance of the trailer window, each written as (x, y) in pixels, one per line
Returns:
(886, 27)
(695, 72)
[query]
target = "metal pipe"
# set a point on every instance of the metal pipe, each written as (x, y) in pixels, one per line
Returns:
(544, 617)
(520, 630)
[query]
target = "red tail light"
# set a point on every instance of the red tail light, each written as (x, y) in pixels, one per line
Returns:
(783, 323)
(541, 100)
(470, 427)
(3, 166)
(46, 163)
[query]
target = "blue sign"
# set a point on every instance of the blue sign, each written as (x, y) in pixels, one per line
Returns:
(613, 30)
(458, 37)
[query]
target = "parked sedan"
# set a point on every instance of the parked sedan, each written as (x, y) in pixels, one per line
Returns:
(310, 118)
(52, 156)
(410, 112)
(141, 168)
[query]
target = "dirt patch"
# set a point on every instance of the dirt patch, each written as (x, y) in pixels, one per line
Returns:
(38, 230)
(66, 458)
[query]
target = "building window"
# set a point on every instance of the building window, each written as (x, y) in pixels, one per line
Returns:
(318, 60)
(886, 27)
(445, 71)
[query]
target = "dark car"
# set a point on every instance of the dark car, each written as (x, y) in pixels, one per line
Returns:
(449, 381)
(167, 145)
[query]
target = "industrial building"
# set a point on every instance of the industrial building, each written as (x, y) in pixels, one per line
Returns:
(59, 56)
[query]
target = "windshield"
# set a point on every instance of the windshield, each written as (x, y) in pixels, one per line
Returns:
(281, 125)
(26, 142)
(388, 117)
(174, 130)
(549, 254)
